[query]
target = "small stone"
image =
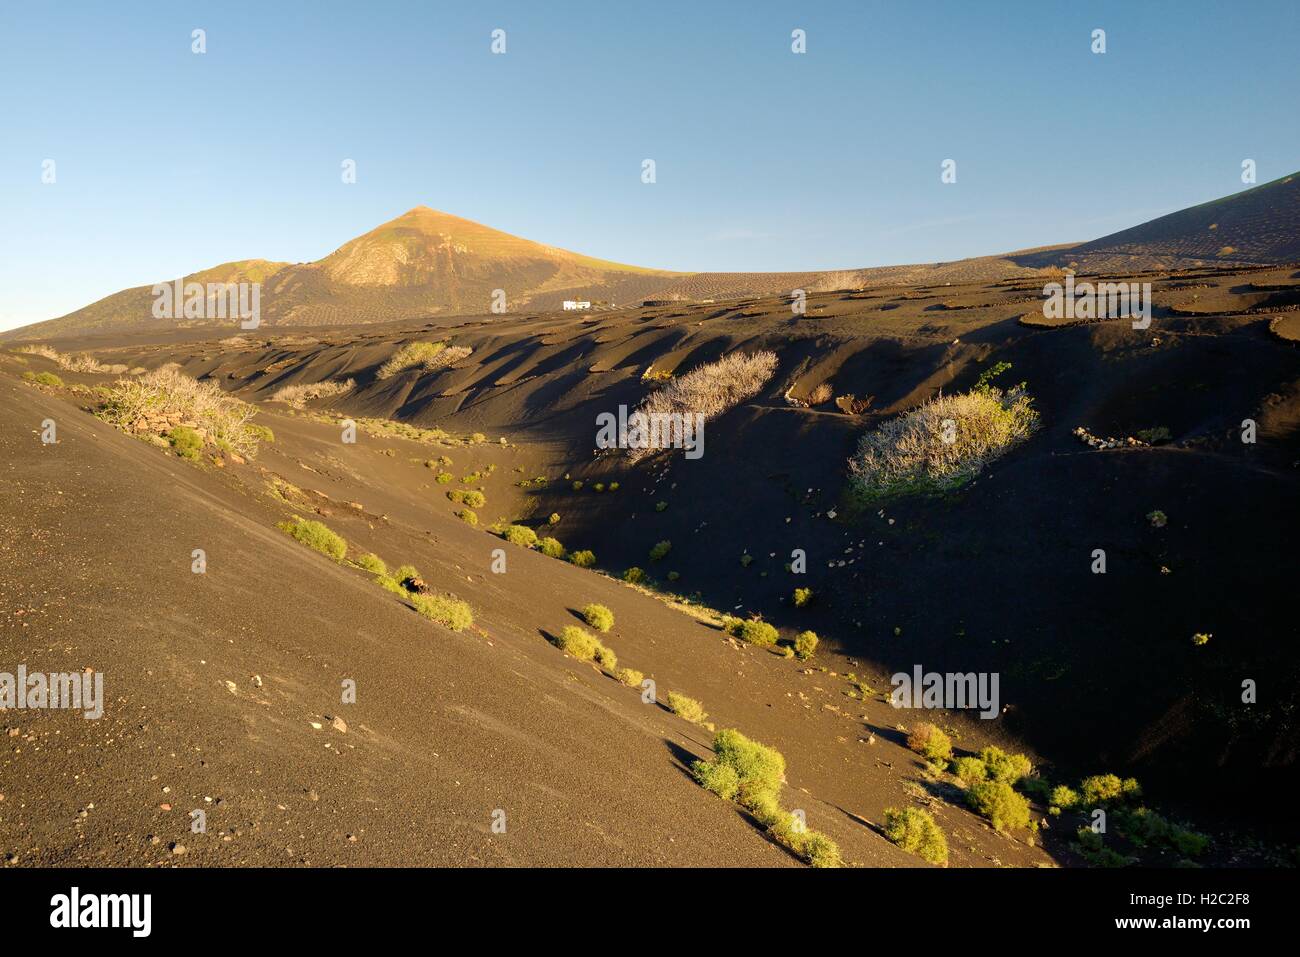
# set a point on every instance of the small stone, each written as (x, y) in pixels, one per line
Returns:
(257, 681)
(177, 849)
(339, 725)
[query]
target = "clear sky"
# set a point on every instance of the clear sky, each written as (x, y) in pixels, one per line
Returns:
(167, 162)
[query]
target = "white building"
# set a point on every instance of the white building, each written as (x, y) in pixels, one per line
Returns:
(576, 304)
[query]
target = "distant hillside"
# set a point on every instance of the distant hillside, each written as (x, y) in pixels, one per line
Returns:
(426, 263)
(1258, 226)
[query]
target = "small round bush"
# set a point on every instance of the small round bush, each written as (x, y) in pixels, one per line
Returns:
(185, 442)
(468, 516)
(928, 740)
(660, 550)
(634, 576)
(997, 801)
(687, 708)
(473, 498)
(752, 630)
(450, 612)
(606, 658)
(373, 563)
(598, 617)
(717, 777)
(660, 506)
(915, 831)
(444, 478)
(805, 643)
(1101, 789)
(520, 535)
(583, 559)
(579, 643)
(970, 770)
(553, 519)
(577, 485)
(550, 547)
(316, 536)
(820, 851)
(1008, 768)
(631, 677)
(802, 596)
(759, 769)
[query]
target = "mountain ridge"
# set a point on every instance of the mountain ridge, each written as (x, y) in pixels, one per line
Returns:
(426, 263)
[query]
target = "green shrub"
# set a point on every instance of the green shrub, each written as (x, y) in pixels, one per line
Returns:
(43, 378)
(372, 563)
(820, 851)
(583, 559)
(928, 740)
(717, 777)
(599, 486)
(1106, 788)
(598, 617)
(316, 536)
(673, 576)
(468, 516)
(634, 576)
(261, 432)
(550, 547)
(687, 708)
(805, 644)
(553, 519)
(997, 801)
(406, 573)
(660, 506)
(746, 560)
(185, 442)
(1063, 797)
(970, 770)
(471, 497)
(606, 658)
(802, 596)
(660, 550)
(520, 535)
(444, 478)
(577, 485)
(1146, 828)
(759, 769)
(631, 677)
(751, 630)
(579, 643)
(915, 831)
(1008, 768)
(449, 612)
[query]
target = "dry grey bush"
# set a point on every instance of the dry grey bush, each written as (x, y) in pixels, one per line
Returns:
(429, 356)
(909, 453)
(78, 363)
(298, 395)
(708, 390)
(159, 401)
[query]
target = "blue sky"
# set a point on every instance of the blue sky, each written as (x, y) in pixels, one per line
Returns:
(168, 161)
